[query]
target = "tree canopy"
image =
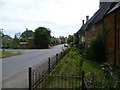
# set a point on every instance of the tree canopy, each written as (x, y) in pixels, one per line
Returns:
(70, 39)
(23, 40)
(42, 37)
(27, 33)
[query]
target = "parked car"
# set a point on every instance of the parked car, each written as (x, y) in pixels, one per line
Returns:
(66, 45)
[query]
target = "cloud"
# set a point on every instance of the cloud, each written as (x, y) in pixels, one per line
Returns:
(58, 15)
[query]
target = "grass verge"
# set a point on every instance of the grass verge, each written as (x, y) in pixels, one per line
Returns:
(72, 64)
(8, 54)
(68, 66)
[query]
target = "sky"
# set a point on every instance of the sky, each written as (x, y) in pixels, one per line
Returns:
(62, 17)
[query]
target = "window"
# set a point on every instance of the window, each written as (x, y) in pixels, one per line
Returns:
(93, 27)
(83, 38)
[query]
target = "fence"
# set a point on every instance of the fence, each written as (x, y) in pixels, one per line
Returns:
(38, 72)
(39, 76)
(60, 81)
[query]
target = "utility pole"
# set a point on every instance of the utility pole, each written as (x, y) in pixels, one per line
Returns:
(1, 30)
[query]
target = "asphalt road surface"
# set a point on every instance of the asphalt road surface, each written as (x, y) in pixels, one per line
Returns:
(14, 68)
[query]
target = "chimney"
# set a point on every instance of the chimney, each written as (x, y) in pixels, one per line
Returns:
(82, 22)
(26, 29)
(87, 18)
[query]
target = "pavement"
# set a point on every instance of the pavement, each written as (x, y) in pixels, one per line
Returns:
(15, 68)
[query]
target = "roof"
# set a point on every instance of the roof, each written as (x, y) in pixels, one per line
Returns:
(7, 37)
(98, 16)
(102, 12)
(23, 43)
(115, 7)
(30, 37)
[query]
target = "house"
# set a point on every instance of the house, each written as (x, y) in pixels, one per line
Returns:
(7, 38)
(106, 18)
(6, 41)
(55, 40)
(28, 44)
(63, 39)
(23, 44)
(112, 24)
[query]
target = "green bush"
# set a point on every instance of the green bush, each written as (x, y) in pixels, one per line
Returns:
(23, 40)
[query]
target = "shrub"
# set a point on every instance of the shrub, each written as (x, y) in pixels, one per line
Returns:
(107, 70)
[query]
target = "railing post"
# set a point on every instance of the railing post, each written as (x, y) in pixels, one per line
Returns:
(83, 75)
(61, 54)
(56, 58)
(49, 65)
(30, 71)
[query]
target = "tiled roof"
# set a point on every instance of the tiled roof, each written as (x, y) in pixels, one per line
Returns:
(101, 12)
(115, 7)
(98, 16)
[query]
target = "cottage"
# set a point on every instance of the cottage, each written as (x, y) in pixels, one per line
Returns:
(112, 24)
(106, 18)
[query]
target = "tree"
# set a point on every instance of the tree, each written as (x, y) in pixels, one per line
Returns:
(42, 37)
(23, 39)
(76, 40)
(1, 34)
(17, 35)
(6, 41)
(27, 33)
(16, 42)
(70, 39)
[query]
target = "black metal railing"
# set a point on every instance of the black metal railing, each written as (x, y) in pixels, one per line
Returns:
(40, 77)
(61, 81)
(57, 81)
(38, 73)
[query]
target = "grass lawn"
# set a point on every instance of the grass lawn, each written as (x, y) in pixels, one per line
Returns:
(72, 64)
(8, 54)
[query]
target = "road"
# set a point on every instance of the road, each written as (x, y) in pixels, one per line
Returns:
(15, 66)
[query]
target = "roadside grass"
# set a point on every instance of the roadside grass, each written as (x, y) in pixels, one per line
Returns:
(8, 54)
(72, 65)
(68, 66)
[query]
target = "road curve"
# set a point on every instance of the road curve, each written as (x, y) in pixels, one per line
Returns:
(15, 65)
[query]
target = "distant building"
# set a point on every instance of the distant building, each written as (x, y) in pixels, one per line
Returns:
(55, 41)
(63, 39)
(28, 44)
(5, 41)
(7, 38)
(23, 44)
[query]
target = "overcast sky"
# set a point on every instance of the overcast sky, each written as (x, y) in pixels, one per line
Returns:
(63, 17)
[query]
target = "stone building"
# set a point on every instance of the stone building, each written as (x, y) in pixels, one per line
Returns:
(106, 18)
